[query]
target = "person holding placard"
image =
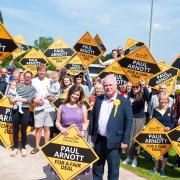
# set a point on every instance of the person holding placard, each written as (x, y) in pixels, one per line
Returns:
(138, 97)
(164, 115)
(110, 61)
(73, 111)
(176, 112)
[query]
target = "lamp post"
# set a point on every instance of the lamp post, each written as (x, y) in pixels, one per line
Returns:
(150, 27)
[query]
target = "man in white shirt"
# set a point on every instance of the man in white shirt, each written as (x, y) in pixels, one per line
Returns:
(110, 127)
(44, 113)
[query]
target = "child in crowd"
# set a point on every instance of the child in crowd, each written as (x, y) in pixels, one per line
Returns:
(12, 94)
(54, 86)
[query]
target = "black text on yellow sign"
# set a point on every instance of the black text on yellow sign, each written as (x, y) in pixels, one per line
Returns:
(69, 155)
(59, 53)
(100, 44)
(33, 59)
(167, 77)
(132, 45)
(116, 69)
(174, 137)
(6, 123)
(87, 49)
(176, 63)
(154, 139)
(7, 44)
(74, 65)
(139, 65)
(22, 46)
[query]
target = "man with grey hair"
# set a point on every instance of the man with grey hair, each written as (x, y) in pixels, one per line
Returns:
(110, 124)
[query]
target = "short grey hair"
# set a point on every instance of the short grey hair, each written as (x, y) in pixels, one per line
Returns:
(112, 77)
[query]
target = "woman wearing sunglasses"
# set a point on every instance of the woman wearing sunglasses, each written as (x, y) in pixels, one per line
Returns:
(138, 97)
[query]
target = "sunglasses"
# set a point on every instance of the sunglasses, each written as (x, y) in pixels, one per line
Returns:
(79, 76)
(135, 87)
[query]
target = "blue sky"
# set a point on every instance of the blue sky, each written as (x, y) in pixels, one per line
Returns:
(114, 20)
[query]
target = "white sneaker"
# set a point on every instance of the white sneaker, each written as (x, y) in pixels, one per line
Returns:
(134, 163)
(14, 152)
(127, 160)
(21, 111)
(24, 152)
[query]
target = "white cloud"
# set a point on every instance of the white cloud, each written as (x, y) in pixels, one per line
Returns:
(23, 15)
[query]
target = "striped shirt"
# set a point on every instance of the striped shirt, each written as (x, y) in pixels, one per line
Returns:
(27, 92)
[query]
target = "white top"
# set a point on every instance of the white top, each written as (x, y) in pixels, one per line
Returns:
(41, 92)
(108, 62)
(41, 86)
(105, 111)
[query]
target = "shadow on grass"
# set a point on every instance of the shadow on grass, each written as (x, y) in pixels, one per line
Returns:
(143, 167)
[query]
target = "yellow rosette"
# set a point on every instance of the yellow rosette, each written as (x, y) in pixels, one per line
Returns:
(117, 102)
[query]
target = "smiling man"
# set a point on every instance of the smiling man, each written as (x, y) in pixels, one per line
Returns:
(111, 122)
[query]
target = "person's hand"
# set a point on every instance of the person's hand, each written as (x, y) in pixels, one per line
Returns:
(50, 98)
(63, 131)
(124, 146)
(39, 101)
(167, 129)
(178, 122)
(142, 82)
(81, 134)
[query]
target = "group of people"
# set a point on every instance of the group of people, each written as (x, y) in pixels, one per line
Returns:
(114, 119)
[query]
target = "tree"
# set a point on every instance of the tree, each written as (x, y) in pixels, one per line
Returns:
(43, 43)
(1, 18)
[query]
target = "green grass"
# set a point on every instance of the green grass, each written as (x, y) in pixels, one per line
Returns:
(143, 168)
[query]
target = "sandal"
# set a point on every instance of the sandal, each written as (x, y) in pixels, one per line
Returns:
(34, 151)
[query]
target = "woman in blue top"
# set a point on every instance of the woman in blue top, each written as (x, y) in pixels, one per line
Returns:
(163, 114)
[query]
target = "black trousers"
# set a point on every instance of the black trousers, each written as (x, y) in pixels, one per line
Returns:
(20, 120)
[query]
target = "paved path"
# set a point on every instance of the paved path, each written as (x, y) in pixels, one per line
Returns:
(35, 167)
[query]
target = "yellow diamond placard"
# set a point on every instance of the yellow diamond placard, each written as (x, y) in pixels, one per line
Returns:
(74, 65)
(59, 53)
(174, 137)
(22, 46)
(139, 65)
(100, 44)
(167, 75)
(132, 45)
(69, 155)
(6, 123)
(33, 59)
(154, 139)
(87, 49)
(176, 64)
(7, 44)
(116, 69)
